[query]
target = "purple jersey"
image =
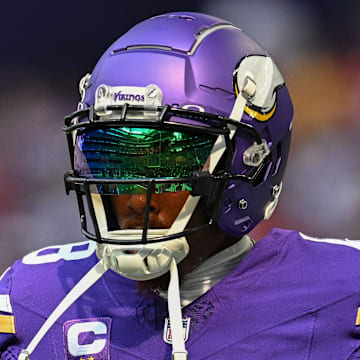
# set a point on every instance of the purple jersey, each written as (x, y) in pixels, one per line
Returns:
(291, 297)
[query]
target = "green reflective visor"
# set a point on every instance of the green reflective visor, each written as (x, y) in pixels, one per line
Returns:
(140, 153)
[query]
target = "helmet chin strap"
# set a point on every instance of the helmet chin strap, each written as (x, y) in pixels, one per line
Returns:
(178, 343)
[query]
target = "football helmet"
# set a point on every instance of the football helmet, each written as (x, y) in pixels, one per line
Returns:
(181, 102)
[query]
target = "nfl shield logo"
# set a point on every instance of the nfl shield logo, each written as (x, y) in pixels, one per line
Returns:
(167, 330)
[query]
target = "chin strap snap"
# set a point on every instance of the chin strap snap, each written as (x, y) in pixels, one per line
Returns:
(178, 344)
(24, 355)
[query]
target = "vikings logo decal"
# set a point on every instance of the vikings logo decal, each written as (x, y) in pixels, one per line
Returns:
(264, 73)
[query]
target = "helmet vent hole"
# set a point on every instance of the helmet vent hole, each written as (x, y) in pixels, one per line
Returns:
(182, 17)
(277, 166)
(263, 175)
(278, 161)
(186, 17)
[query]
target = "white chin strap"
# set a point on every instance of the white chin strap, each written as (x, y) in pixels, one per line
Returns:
(178, 343)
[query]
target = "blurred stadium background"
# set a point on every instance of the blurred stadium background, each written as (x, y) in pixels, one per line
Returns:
(47, 46)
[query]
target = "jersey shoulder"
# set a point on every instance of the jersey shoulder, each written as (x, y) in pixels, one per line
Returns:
(333, 262)
(48, 273)
(329, 248)
(300, 242)
(303, 257)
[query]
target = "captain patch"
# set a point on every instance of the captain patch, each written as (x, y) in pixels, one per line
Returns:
(87, 339)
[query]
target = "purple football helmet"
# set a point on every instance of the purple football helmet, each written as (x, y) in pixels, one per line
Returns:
(200, 83)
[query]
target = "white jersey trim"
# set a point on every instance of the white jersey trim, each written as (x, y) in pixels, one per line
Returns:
(350, 243)
(5, 305)
(4, 273)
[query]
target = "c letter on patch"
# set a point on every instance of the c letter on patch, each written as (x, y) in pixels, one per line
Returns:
(87, 337)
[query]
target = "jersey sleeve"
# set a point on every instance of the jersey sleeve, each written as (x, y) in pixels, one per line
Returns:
(7, 317)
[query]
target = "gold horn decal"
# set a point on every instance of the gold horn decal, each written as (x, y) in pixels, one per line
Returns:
(261, 116)
(267, 78)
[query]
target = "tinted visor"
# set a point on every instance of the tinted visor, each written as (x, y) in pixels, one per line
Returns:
(140, 153)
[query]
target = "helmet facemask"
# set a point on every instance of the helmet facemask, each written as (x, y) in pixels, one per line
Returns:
(146, 167)
(115, 157)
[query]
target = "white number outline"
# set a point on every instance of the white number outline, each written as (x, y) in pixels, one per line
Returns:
(65, 252)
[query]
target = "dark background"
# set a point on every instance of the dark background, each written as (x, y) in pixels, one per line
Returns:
(47, 46)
